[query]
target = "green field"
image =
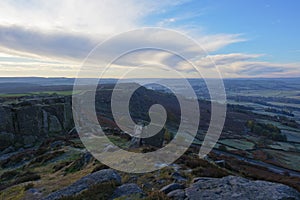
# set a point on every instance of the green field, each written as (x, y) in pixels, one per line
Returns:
(62, 93)
(279, 125)
(285, 146)
(292, 136)
(289, 160)
(237, 144)
(267, 93)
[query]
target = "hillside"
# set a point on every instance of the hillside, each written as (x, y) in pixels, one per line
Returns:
(41, 152)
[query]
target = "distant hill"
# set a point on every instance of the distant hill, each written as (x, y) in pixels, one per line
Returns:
(16, 85)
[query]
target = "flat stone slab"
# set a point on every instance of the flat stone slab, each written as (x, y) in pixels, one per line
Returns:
(85, 183)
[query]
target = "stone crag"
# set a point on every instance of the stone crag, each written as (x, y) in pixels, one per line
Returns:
(24, 123)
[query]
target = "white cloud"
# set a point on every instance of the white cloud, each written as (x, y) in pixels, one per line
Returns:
(214, 42)
(37, 43)
(75, 47)
(247, 65)
(59, 34)
(260, 69)
(237, 65)
(88, 17)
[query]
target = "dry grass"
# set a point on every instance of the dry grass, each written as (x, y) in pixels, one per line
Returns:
(259, 173)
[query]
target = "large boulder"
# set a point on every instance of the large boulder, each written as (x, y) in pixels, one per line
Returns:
(171, 187)
(177, 194)
(85, 183)
(128, 190)
(232, 187)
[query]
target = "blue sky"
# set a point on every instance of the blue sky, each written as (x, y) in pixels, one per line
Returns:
(272, 27)
(257, 38)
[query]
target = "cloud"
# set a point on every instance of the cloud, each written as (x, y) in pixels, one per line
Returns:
(69, 49)
(247, 65)
(88, 17)
(76, 47)
(51, 38)
(214, 42)
(211, 61)
(222, 59)
(59, 44)
(260, 69)
(62, 52)
(242, 65)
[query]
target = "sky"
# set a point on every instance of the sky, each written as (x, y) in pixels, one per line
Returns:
(257, 38)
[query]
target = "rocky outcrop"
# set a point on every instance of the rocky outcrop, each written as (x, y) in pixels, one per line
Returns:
(232, 187)
(173, 186)
(226, 188)
(156, 140)
(177, 194)
(128, 190)
(85, 183)
(24, 123)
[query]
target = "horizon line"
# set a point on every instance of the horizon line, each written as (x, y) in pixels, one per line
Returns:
(57, 77)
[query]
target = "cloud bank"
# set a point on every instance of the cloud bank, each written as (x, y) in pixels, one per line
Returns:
(51, 38)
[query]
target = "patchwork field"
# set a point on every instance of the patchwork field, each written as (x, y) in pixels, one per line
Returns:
(237, 144)
(289, 160)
